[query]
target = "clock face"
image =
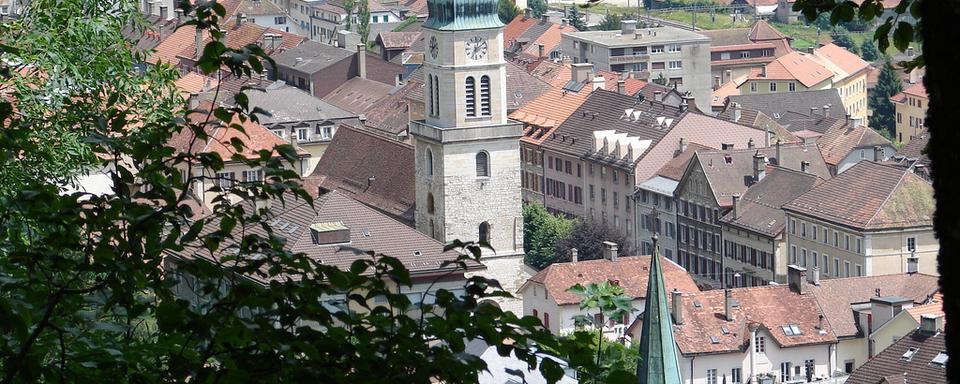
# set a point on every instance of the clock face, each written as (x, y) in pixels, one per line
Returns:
(476, 48)
(434, 47)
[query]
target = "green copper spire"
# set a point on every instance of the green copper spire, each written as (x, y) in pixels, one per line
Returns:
(658, 363)
(458, 15)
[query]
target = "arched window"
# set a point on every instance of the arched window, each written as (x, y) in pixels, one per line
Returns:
(430, 206)
(485, 232)
(436, 96)
(430, 95)
(471, 93)
(483, 164)
(485, 95)
(429, 162)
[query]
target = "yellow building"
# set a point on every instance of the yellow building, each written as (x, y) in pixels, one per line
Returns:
(827, 67)
(911, 105)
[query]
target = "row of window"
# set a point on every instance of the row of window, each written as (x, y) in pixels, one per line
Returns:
(800, 258)
(656, 200)
(616, 198)
(616, 220)
(482, 163)
(564, 191)
(744, 279)
(303, 134)
(791, 86)
(825, 236)
(700, 212)
(699, 265)
(472, 107)
(915, 122)
(699, 239)
(614, 173)
(646, 248)
(745, 54)
(664, 228)
(565, 166)
(227, 179)
(748, 255)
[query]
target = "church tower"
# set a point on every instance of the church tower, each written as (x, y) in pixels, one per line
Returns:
(467, 151)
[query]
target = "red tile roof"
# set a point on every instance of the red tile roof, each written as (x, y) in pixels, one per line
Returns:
(358, 94)
(255, 137)
(632, 272)
(769, 307)
(193, 82)
(870, 196)
(517, 27)
(917, 90)
(548, 111)
(840, 139)
(848, 62)
(397, 40)
(793, 66)
(889, 366)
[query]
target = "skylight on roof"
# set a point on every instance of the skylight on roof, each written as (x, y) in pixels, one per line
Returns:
(724, 329)
(714, 340)
(696, 303)
(791, 330)
(940, 360)
(908, 355)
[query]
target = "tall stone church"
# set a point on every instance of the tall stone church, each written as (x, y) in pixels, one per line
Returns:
(467, 151)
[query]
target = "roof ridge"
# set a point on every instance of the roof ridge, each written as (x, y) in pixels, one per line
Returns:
(889, 195)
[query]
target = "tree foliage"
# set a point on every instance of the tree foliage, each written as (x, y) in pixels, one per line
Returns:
(576, 18)
(363, 19)
(610, 22)
(538, 8)
(869, 51)
(870, 12)
(841, 37)
(87, 281)
(610, 300)
(588, 236)
(883, 118)
(508, 10)
(541, 231)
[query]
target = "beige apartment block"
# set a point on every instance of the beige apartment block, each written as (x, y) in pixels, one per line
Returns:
(911, 106)
(871, 220)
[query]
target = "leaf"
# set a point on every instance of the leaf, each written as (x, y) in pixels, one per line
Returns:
(903, 35)
(551, 370)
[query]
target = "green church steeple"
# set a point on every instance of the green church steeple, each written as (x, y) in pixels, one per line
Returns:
(458, 15)
(658, 362)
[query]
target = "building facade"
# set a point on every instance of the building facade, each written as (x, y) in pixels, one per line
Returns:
(679, 57)
(467, 151)
(911, 106)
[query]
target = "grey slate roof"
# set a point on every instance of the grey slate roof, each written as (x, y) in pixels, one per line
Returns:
(890, 366)
(315, 56)
(759, 209)
(776, 105)
(289, 104)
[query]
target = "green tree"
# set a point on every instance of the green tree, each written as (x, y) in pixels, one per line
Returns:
(576, 19)
(508, 10)
(350, 6)
(660, 80)
(869, 51)
(84, 295)
(609, 300)
(841, 37)
(587, 236)
(538, 8)
(541, 231)
(883, 111)
(363, 19)
(610, 22)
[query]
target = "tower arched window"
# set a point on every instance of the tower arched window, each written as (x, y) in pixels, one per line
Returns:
(485, 232)
(471, 96)
(430, 202)
(485, 95)
(436, 95)
(429, 162)
(483, 164)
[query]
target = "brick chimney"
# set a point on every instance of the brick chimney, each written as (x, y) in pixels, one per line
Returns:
(877, 153)
(759, 167)
(728, 304)
(621, 87)
(580, 72)
(526, 13)
(362, 60)
(610, 250)
(797, 278)
(736, 200)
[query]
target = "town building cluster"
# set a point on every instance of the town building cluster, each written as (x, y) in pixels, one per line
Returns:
(775, 236)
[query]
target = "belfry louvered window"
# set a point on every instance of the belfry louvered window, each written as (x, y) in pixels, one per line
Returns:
(430, 95)
(471, 96)
(436, 96)
(485, 95)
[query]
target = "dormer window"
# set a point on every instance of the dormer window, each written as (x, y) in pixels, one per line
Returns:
(908, 355)
(791, 330)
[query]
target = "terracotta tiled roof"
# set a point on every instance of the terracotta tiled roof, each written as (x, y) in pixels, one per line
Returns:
(391, 114)
(726, 90)
(769, 307)
(840, 61)
(793, 66)
(759, 209)
(890, 366)
(169, 48)
(632, 273)
(545, 113)
(550, 39)
(870, 196)
(239, 36)
(917, 90)
(357, 95)
(354, 156)
(255, 138)
(839, 140)
(397, 40)
(520, 82)
(675, 168)
(554, 73)
(731, 172)
(934, 307)
(517, 27)
(193, 82)
(260, 8)
(917, 147)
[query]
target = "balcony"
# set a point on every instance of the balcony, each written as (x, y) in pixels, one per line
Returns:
(629, 59)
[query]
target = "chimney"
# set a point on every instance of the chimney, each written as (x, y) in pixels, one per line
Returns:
(241, 18)
(193, 101)
(826, 111)
(913, 263)
(815, 276)
(621, 87)
(728, 304)
(563, 23)
(658, 95)
(362, 60)
(178, 13)
(683, 144)
(526, 13)
(751, 144)
(329, 233)
(763, 71)
(796, 278)
(580, 72)
(677, 307)
(573, 255)
(779, 144)
(163, 12)
(737, 112)
(684, 105)
(820, 322)
(198, 40)
(804, 166)
(540, 52)
(810, 50)
(813, 111)
(759, 167)
(736, 200)
(610, 250)
(598, 82)
(628, 27)
(717, 82)
(930, 324)
(545, 18)
(877, 153)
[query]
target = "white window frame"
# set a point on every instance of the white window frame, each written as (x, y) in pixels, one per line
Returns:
(303, 134)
